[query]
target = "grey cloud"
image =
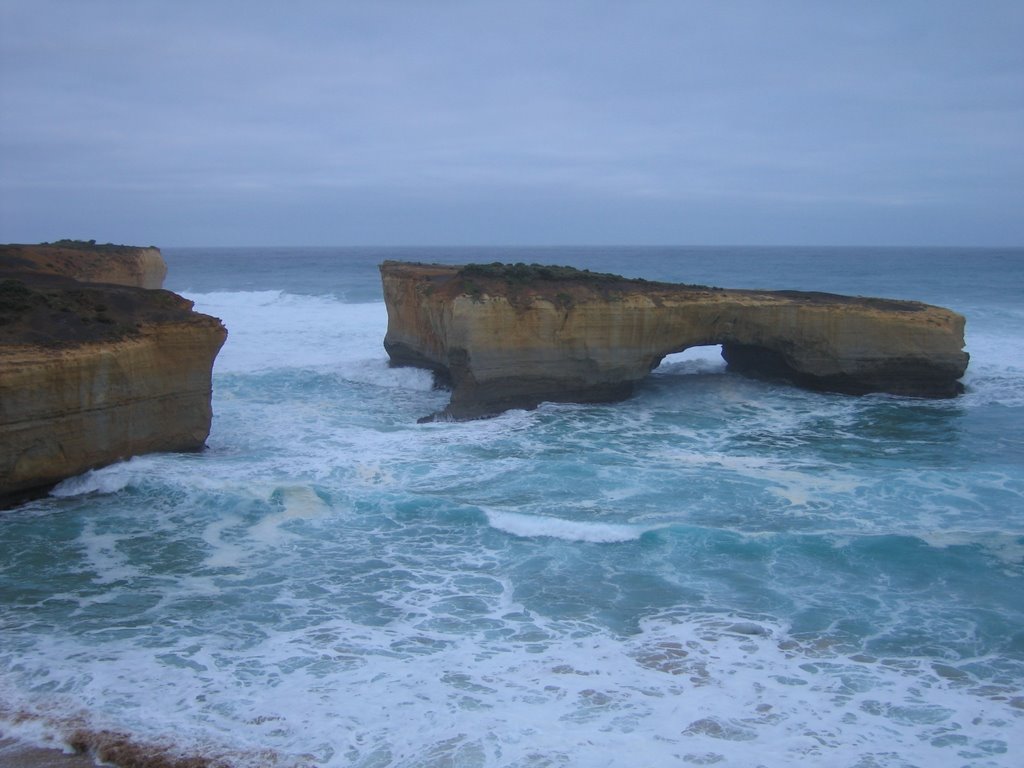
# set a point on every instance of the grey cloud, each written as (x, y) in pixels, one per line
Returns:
(760, 116)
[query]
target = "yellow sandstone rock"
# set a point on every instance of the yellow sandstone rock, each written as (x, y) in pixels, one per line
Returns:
(514, 336)
(95, 372)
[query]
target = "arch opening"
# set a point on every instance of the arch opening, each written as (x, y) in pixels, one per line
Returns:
(702, 359)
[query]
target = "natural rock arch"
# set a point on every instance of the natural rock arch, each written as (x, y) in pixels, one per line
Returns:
(512, 336)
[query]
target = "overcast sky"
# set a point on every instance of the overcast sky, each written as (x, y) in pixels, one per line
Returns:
(396, 122)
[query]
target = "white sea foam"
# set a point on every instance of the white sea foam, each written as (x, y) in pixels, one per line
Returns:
(798, 485)
(110, 479)
(102, 556)
(1005, 545)
(298, 502)
(568, 530)
(706, 359)
(273, 330)
(698, 690)
(322, 585)
(995, 374)
(222, 554)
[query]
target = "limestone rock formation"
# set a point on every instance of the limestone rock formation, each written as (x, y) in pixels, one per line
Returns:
(89, 263)
(91, 373)
(513, 336)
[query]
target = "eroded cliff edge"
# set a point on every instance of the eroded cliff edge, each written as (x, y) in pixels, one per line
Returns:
(95, 372)
(513, 336)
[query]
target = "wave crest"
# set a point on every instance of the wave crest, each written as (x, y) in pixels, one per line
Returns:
(531, 526)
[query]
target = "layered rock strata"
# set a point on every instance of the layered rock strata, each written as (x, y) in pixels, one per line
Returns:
(91, 373)
(513, 336)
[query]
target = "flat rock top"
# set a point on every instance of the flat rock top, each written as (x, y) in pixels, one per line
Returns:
(566, 285)
(50, 311)
(73, 292)
(87, 261)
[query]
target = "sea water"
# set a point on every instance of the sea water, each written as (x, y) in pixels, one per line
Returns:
(718, 571)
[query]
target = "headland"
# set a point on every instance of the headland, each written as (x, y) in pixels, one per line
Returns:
(97, 363)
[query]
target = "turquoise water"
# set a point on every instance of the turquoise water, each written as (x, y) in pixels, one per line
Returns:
(717, 571)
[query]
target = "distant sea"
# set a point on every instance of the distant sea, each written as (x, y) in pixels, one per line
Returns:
(718, 571)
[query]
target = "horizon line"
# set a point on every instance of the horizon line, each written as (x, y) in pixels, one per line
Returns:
(539, 246)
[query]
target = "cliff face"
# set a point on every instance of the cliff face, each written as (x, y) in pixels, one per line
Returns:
(94, 373)
(510, 337)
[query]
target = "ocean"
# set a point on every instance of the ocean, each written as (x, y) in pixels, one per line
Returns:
(719, 571)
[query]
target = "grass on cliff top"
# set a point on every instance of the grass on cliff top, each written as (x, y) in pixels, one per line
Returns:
(54, 313)
(89, 245)
(521, 274)
(531, 273)
(522, 280)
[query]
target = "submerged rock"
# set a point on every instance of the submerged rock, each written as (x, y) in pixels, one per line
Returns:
(513, 336)
(92, 372)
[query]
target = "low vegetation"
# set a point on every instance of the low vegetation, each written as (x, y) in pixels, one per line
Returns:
(86, 245)
(532, 273)
(52, 316)
(536, 275)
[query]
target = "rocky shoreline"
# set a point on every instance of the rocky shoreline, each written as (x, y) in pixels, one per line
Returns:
(16, 754)
(88, 749)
